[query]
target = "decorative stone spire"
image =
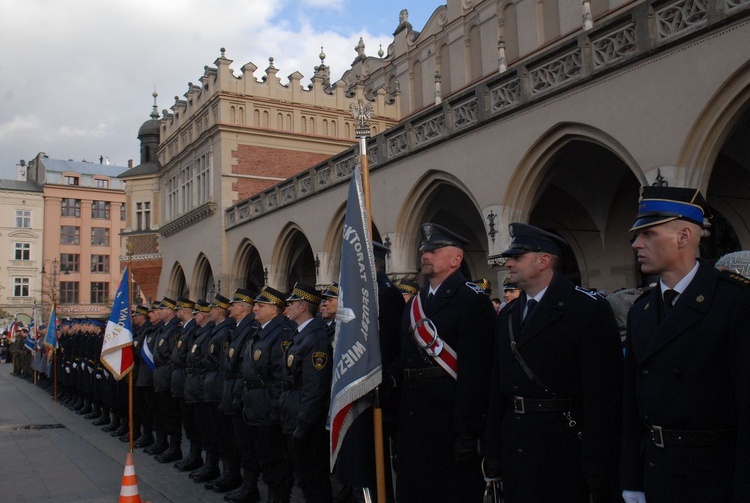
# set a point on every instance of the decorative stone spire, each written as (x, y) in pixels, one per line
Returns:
(360, 48)
(380, 52)
(154, 109)
(323, 72)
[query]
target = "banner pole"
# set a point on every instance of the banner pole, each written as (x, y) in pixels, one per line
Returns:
(363, 132)
(54, 370)
(130, 374)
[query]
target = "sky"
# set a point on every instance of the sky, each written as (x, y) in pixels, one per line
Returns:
(77, 77)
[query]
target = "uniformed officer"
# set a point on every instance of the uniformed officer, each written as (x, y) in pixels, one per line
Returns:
(161, 444)
(328, 308)
(178, 359)
(306, 395)
(144, 376)
(241, 310)
(166, 342)
(408, 289)
(219, 444)
(687, 364)
(196, 375)
(263, 372)
(556, 383)
(446, 351)
(510, 291)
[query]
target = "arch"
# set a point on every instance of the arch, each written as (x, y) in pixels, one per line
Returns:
(579, 182)
(333, 242)
(203, 278)
(294, 258)
(509, 21)
(426, 203)
(177, 286)
(549, 22)
(417, 93)
(247, 269)
(445, 69)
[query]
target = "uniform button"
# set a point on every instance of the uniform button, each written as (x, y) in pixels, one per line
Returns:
(645, 372)
(520, 451)
(651, 465)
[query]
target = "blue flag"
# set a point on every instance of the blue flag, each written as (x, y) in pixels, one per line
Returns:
(117, 347)
(50, 340)
(356, 356)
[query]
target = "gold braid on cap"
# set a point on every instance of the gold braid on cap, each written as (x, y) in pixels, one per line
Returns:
(274, 299)
(244, 298)
(187, 305)
(407, 288)
(220, 304)
(306, 296)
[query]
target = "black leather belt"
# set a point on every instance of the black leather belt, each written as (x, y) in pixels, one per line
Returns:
(256, 385)
(523, 405)
(698, 438)
(424, 373)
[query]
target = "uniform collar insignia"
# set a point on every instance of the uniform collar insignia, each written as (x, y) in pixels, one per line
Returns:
(700, 298)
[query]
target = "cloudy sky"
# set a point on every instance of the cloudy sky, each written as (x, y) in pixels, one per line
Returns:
(76, 76)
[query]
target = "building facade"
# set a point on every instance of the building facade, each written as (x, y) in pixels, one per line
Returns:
(21, 234)
(552, 113)
(84, 214)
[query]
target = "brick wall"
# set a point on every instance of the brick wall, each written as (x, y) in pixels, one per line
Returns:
(272, 162)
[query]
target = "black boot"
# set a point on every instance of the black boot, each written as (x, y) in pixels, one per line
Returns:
(160, 445)
(174, 453)
(96, 412)
(86, 409)
(209, 470)
(77, 404)
(193, 461)
(104, 419)
(230, 480)
(114, 423)
(247, 492)
(122, 430)
(144, 440)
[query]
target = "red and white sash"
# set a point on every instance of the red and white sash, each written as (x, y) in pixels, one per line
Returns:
(426, 336)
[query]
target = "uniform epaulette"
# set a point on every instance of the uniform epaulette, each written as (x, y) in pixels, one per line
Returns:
(588, 292)
(734, 277)
(474, 287)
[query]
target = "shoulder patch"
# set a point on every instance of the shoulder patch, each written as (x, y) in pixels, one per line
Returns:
(585, 291)
(320, 360)
(733, 277)
(474, 287)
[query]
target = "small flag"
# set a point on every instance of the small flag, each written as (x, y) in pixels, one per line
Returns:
(117, 348)
(50, 340)
(356, 355)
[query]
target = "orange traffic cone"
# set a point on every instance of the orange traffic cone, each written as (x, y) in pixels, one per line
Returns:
(129, 489)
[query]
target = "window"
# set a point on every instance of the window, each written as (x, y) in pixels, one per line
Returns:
(100, 209)
(101, 184)
(23, 251)
(71, 180)
(99, 292)
(122, 211)
(143, 216)
(69, 292)
(21, 287)
(71, 208)
(99, 263)
(23, 219)
(100, 236)
(70, 262)
(70, 235)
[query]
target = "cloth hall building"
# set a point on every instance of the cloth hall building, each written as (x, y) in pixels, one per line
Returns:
(551, 112)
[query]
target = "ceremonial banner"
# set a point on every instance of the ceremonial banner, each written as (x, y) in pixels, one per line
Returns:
(50, 340)
(356, 353)
(117, 349)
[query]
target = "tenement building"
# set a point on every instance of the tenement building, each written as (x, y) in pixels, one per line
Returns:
(548, 112)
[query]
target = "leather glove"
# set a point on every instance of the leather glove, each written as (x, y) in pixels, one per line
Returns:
(466, 449)
(634, 496)
(301, 431)
(491, 468)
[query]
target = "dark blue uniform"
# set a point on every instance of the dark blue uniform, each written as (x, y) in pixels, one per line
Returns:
(689, 372)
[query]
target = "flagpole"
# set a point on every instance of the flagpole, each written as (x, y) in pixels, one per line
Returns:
(129, 248)
(54, 351)
(362, 113)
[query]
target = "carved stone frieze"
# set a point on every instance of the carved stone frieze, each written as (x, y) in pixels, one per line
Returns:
(397, 144)
(614, 46)
(193, 217)
(505, 95)
(676, 17)
(430, 129)
(556, 72)
(466, 113)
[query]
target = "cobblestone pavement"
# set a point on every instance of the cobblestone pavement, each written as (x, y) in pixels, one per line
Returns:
(50, 454)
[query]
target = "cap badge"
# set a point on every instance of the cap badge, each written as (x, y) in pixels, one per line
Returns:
(700, 298)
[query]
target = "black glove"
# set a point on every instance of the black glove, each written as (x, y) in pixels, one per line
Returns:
(491, 468)
(466, 449)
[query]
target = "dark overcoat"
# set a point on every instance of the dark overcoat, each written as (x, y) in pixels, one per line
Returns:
(165, 342)
(145, 375)
(572, 344)
(690, 371)
(433, 411)
(195, 364)
(263, 371)
(179, 357)
(213, 386)
(229, 363)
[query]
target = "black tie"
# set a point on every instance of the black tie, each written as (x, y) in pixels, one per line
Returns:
(669, 297)
(430, 301)
(529, 307)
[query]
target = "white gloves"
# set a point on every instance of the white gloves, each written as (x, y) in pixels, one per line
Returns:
(634, 497)
(67, 369)
(99, 376)
(75, 365)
